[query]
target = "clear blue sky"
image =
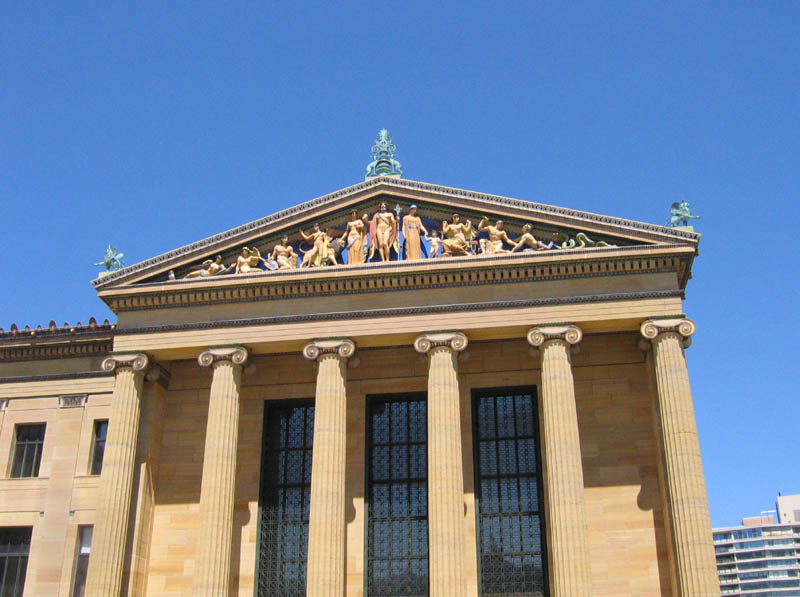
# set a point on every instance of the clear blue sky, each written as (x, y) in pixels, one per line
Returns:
(155, 125)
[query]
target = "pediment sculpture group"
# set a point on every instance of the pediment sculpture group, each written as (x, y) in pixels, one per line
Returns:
(365, 237)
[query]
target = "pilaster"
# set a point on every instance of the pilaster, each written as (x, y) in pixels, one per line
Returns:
(694, 562)
(445, 474)
(114, 497)
(568, 551)
(213, 564)
(326, 527)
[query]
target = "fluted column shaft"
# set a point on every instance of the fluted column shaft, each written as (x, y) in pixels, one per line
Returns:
(445, 474)
(213, 562)
(687, 502)
(326, 524)
(568, 553)
(114, 498)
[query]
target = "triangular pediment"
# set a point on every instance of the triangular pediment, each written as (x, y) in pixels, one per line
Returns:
(562, 229)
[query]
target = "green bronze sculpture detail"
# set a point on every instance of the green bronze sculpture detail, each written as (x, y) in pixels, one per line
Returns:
(112, 259)
(383, 162)
(681, 214)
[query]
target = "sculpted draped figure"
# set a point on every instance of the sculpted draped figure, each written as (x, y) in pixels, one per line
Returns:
(455, 235)
(208, 268)
(283, 254)
(354, 237)
(382, 232)
(497, 236)
(321, 253)
(412, 224)
(247, 262)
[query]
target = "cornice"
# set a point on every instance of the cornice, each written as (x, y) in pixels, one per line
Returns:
(531, 210)
(402, 311)
(34, 352)
(374, 278)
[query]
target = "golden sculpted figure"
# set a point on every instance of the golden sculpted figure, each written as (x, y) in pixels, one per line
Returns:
(208, 268)
(322, 252)
(382, 232)
(283, 254)
(455, 235)
(355, 236)
(412, 224)
(497, 236)
(528, 240)
(435, 242)
(247, 262)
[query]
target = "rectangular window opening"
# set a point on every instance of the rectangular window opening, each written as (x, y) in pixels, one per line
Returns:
(15, 544)
(284, 498)
(27, 450)
(508, 489)
(98, 446)
(397, 496)
(82, 560)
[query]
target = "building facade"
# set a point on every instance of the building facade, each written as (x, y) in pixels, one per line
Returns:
(761, 558)
(498, 408)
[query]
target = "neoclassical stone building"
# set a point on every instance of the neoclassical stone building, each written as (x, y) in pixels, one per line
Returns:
(496, 419)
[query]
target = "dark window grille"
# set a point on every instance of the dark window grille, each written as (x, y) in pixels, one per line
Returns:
(284, 498)
(15, 543)
(99, 446)
(28, 450)
(508, 485)
(397, 496)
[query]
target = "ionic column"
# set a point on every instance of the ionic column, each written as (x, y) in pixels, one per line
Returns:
(213, 563)
(445, 474)
(114, 497)
(326, 518)
(568, 553)
(687, 504)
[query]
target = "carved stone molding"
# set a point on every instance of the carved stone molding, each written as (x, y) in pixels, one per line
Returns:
(455, 341)
(159, 375)
(235, 354)
(72, 400)
(3, 404)
(571, 334)
(653, 328)
(137, 361)
(344, 347)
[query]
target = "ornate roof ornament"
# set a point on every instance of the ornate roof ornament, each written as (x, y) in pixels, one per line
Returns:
(383, 162)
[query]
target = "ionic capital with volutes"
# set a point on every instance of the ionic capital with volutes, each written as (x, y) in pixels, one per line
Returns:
(138, 361)
(681, 326)
(341, 347)
(567, 333)
(454, 341)
(234, 354)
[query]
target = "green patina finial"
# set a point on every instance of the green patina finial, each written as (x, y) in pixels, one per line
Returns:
(383, 162)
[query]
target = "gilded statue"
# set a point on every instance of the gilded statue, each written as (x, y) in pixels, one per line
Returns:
(455, 236)
(528, 240)
(321, 253)
(247, 262)
(435, 242)
(497, 236)
(382, 233)
(283, 255)
(355, 237)
(208, 268)
(412, 225)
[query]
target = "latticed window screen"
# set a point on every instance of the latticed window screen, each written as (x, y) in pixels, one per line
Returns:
(508, 485)
(28, 450)
(284, 498)
(397, 496)
(15, 543)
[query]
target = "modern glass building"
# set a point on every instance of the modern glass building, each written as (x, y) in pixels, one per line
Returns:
(759, 558)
